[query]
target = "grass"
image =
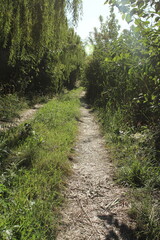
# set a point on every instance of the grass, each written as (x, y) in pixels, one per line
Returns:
(10, 106)
(146, 212)
(34, 160)
(134, 153)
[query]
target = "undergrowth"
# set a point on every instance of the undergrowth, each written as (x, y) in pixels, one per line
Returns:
(10, 106)
(135, 153)
(34, 163)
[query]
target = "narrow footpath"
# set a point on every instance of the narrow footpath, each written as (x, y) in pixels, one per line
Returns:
(27, 114)
(95, 207)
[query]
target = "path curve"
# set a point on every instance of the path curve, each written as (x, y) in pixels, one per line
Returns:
(96, 207)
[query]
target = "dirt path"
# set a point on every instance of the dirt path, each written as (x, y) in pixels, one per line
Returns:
(96, 206)
(24, 115)
(28, 114)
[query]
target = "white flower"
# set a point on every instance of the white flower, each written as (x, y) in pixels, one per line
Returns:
(31, 203)
(8, 234)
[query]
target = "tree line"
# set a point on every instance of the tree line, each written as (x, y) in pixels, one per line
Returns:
(39, 52)
(124, 69)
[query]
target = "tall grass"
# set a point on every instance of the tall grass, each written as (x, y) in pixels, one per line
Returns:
(135, 154)
(34, 170)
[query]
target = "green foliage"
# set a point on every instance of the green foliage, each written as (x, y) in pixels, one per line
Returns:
(135, 155)
(124, 71)
(135, 152)
(122, 81)
(34, 170)
(35, 42)
(140, 8)
(146, 211)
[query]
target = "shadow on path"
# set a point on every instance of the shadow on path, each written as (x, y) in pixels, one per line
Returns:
(91, 189)
(121, 230)
(85, 103)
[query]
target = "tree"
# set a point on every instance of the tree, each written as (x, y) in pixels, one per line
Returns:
(124, 71)
(31, 35)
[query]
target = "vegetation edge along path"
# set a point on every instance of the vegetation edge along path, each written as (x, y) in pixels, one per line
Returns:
(24, 115)
(34, 163)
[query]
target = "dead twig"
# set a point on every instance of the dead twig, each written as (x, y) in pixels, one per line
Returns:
(111, 204)
(94, 228)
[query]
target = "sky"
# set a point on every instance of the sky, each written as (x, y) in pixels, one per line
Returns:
(92, 9)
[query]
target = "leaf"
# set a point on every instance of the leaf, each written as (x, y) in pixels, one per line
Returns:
(107, 60)
(123, 16)
(157, 19)
(123, 9)
(153, 97)
(134, 11)
(137, 21)
(140, 3)
(125, 1)
(146, 22)
(128, 18)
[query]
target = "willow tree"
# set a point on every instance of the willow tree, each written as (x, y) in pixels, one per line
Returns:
(30, 33)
